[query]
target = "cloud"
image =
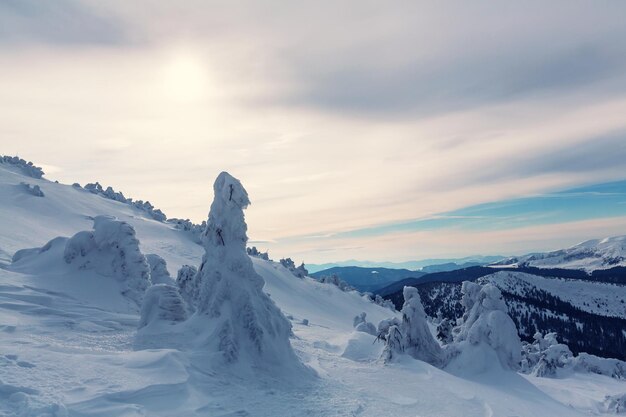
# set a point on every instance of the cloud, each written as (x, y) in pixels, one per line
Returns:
(62, 22)
(338, 117)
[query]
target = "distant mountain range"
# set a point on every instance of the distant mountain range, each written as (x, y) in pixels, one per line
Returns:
(578, 292)
(368, 279)
(410, 265)
(589, 256)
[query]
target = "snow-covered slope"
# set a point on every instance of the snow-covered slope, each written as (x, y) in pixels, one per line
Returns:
(598, 298)
(66, 348)
(589, 256)
(29, 221)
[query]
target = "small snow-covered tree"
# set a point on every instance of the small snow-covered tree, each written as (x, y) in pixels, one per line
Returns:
(253, 251)
(412, 336)
(158, 270)
(246, 322)
(33, 189)
(486, 324)
(336, 281)
(444, 331)
(188, 285)
(299, 271)
(162, 303)
(546, 357)
(361, 324)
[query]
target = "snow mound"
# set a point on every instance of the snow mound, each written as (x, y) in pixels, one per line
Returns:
(412, 335)
(487, 331)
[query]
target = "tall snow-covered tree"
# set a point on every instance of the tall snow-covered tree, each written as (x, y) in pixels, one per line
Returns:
(246, 322)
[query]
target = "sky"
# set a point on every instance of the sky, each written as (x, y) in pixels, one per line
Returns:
(361, 129)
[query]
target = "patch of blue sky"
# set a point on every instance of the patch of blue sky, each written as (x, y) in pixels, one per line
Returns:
(582, 203)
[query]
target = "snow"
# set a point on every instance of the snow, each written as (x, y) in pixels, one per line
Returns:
(589, 256)
(591, 296)
(68, 335)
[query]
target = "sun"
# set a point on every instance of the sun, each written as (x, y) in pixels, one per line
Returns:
(184, 78)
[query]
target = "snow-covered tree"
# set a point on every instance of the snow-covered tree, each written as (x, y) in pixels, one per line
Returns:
(188, 285)
(299, 271)
(546, 357)
(444, 331)
(113, 250)
(486, 325)
(26, 167)
(253, 251)
(158, 270)
(246, 322)
(361, 324)
(162, 303)
(412, 336)
(336, 281)
(33, 189)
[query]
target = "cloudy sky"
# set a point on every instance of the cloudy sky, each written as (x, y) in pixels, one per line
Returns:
(362, 129)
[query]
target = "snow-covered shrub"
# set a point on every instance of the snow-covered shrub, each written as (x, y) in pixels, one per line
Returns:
(26, 167)
(158, 270)
(162, 303)
(486, 326)
(33, 189)
(188, 285)
(615, 404)
(546, 357)
(299, 271)
(586, 363)
(111, 194)
(384, 302)
(412, 336)
(247, 326)
(444, 331)
(360, 324)
(253, 251)
(154, 212)
(187, 225)
(111, 249)
(336, 281)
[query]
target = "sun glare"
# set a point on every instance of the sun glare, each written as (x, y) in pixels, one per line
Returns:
(184, 78)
